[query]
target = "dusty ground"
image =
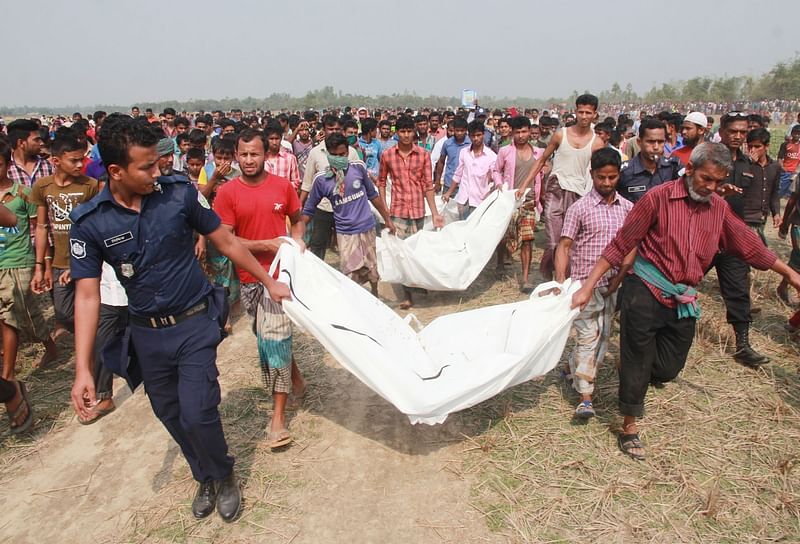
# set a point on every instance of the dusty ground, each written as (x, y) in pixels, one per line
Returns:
(723, 445)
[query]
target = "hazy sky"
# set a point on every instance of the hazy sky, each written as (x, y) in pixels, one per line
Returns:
(90, 52)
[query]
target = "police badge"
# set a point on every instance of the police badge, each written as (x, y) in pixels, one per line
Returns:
(77, 248)
(126, 269)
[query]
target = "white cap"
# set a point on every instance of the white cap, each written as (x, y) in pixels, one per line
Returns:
(697, 118)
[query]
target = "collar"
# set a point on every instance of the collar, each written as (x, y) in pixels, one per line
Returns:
(482, 153)
(597, 198)
(13, 190)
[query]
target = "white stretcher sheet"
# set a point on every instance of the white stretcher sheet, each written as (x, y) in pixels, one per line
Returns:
(449, 259)
(453, 363)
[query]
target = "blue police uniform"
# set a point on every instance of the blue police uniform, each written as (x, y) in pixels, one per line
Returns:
(635, 180)
(175, 314)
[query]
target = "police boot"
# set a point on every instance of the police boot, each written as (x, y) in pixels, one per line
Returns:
(229, 498)
(744, 353)
(204, 499)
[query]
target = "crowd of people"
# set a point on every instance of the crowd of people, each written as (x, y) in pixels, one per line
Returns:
(144, 230)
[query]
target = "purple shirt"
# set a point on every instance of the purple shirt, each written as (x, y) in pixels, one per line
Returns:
(351, 212)
(591, 224)
(474, 175)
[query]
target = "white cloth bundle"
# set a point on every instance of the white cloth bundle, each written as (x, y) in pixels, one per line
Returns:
(450, 259)
(455, 362)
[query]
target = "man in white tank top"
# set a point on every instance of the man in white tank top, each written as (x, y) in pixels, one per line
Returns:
(570, 177)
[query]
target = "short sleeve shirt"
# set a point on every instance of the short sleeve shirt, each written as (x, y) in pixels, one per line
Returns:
(16, 250)
(351, 211)
(152, 251)
(257, 212)
(60, 201)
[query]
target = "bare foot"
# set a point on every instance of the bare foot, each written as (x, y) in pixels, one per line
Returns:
(60, 331)
(50, 355)
(406, 304)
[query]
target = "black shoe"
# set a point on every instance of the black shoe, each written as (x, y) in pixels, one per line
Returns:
(204, 500)
(750, 357)
(229, 498)
(745, 354)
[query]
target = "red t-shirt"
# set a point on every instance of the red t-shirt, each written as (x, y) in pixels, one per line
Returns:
(257, 213)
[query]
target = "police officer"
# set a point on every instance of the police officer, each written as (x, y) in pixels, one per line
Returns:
(732, 272)
(648, 168)
(142, 225)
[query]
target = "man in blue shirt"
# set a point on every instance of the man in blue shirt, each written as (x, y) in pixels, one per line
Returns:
(142, 225)
(448, 160)
(371, 146)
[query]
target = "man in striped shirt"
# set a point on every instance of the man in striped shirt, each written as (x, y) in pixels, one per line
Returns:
(674, 231)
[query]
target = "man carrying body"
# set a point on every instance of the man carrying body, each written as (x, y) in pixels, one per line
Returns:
(590, 224)
(255, 207)
(676, 231)
(569, 179)
(409, 166)
(175, 314)
(476, 174)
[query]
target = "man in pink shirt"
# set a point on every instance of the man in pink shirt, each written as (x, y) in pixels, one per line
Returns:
(476, 175)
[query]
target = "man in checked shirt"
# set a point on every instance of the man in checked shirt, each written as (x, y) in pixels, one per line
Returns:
(676, 230)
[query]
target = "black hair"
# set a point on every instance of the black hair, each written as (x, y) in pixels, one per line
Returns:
(350, 123)
(335, 140)
(604, 127)
(651, 124)
(99, 116)
(170, 111)
(616, 138)
(758, 135)
(420, 119)
(180, 138)
(294, 120)
(795, 128)
(273, 128)
(250, 134)
(475, 126)
(5, 148)
(368, 125)
(755, 118)
(224, 143)
(329, 120)
(387, 123)
(731, 117)
(223, 123)
(434, 114)
(587, 100)
(404, 122)
(182, 121)
(459, 122)
(676, 120)
(518, 122)
(195, 153)
(20, 130)
(282, 118)
(606, 157)
(710, 119)
(118, 134)
(197, 137)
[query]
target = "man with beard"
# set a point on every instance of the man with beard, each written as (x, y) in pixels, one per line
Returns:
(675, 231)
(693, 132)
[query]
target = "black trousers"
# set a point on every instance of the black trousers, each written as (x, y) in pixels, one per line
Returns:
(321, 229)
(734, 284)
(7, 390)
(653, 344)
(113, 321)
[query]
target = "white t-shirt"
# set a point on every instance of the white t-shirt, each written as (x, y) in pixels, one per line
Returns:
(112, 293)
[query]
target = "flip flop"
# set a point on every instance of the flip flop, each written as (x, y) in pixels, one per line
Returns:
(25, 425)
(628, 442)
(585, 410)
(279, 439)
(99, 414)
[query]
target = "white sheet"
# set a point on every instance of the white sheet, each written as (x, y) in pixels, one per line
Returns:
(455, 362)
(450, 259)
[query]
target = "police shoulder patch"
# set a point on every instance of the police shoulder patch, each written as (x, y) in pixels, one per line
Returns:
(77, 248)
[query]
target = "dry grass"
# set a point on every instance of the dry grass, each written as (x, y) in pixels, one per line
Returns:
(723, 445)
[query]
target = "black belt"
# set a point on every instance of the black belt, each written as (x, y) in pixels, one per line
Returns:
(164, 321)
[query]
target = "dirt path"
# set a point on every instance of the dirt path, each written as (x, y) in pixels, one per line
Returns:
(358, 472)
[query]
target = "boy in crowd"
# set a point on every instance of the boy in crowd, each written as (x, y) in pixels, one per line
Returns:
(349, 187)
(789, 157)
(589, 225)
(18, 307)
(55, 197)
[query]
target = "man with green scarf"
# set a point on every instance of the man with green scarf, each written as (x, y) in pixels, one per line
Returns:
(674, 231)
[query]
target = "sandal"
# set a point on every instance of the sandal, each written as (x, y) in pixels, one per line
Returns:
(24, 403)
(628, 443)
(279, 439)
(585, 410)
(527, 288)
(98, 415)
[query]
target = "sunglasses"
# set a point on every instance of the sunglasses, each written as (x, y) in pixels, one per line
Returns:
(737, 114)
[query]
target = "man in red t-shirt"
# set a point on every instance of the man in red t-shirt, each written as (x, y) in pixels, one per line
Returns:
(255, 207)
(789, 158)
